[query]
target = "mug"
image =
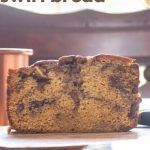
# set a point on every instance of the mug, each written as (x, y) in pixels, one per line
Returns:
(10, 58)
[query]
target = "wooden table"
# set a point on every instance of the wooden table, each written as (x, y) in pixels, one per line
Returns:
(135, 139)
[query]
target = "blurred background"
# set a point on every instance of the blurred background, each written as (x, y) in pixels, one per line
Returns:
(109, 6)
(119, 27)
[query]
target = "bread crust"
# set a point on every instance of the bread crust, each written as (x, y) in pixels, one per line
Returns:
(69, 59)
(120, 59)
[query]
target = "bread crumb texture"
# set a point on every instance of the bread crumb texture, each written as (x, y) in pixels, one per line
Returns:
(75, 94)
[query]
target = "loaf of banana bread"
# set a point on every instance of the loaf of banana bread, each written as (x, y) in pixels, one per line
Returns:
(75, 94)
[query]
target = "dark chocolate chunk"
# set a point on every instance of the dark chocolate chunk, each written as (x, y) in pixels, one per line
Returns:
(48, 101)
(81, 60)
(58, 115)
(77, 84)
(115, 82)
(41, 86)
(121, 68)
(71, 60)
(67, 60)
(37, 104)
(71, 69)
(41, 79)
(71, 64)
(135, 90)
(135, 68)
(23, 75)
(74, 70)
(133, 110)
(106, 66)
(116, 108)
(39, 74)
(20, 107)
(134, 86)
(77, 69)
(75, 98)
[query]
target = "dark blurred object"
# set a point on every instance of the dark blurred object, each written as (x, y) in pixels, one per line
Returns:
(147, 73)
(10, 59)
(145, 89)
(144, 118)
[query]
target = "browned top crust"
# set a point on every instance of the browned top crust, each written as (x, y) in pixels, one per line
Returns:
(45, 62)
(80, 59)
(72, 59)
(120, 59)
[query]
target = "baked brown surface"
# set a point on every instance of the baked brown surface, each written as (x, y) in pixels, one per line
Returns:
(75, 94)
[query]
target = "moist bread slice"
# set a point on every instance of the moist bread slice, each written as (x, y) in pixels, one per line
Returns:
(75, 94)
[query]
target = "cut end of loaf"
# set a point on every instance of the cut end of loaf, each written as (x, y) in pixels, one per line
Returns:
(75, 94)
